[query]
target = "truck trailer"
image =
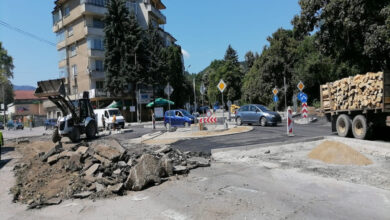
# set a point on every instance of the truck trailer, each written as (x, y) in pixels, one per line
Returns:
(357, 105)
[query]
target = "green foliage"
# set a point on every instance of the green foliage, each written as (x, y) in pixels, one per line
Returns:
(353, 32)
(231, 55)
(6, 73)
(116, 54)
(156, 64)
(249, 59)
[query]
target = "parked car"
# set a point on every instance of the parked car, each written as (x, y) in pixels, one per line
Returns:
(1, 125)
(10, 124)
(257, 114)
(178, 117)
(50, 123)
(203, 109)
(19, 125)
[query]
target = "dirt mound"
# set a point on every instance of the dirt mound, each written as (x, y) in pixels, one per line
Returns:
(333, 152)
(97, 169)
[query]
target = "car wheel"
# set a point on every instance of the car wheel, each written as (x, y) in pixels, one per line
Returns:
(238, 121)
(263, 121)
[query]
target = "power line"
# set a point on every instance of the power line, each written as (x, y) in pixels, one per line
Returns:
(5, 24)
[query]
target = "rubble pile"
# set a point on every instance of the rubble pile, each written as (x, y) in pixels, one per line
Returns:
(98, 169)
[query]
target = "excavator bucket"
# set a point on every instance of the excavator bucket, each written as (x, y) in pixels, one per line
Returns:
(49, 88)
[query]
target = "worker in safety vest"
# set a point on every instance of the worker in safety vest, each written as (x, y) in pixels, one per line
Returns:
(114, 122)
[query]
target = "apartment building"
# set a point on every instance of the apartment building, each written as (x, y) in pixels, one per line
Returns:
(79, 28)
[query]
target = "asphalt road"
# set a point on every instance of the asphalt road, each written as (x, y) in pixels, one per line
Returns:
(259, 135)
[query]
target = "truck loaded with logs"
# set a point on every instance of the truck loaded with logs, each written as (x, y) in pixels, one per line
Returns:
(358, 104)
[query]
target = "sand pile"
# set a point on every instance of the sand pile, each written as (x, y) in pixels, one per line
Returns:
(338, 153)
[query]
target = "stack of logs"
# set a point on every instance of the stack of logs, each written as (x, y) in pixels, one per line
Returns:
(357, 92)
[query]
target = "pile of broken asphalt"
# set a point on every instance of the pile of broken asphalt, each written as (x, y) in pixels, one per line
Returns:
(97, 169)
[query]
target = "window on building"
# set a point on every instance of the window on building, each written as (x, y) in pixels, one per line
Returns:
(63, 72)
(66, 10)
(97, 23)
(60, 36)
(99, 85)
(62, 54)
(95, 44)
(74, 71)
(132, 7)
(73, 51)
(70, 31)
(99, 65)
(57, 17)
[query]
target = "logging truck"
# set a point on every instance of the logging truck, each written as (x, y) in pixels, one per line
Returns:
(357, 105)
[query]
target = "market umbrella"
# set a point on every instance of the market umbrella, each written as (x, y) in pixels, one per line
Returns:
(160, 102)
(115, 104)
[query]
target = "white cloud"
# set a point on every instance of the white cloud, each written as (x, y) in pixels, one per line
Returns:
(185, 53)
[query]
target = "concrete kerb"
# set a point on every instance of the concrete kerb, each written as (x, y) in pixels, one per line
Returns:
(350, 141)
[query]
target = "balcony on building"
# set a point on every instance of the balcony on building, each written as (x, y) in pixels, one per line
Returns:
(153, 8)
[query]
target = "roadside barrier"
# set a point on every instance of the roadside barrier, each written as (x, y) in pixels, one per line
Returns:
(290, 122)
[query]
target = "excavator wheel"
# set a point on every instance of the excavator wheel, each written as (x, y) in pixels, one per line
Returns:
(91, 129)
(75, 135)
(55, 137)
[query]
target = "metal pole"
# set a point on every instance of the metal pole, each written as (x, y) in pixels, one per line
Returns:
(4, 105)
(169, 106)
(223, 108)
(194, 95)
(285, 93)
(140, 105)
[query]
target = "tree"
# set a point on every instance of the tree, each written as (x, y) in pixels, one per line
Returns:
(249, 59)
(116, 54)
(276, 62)
(136, 57)
(231, 55)
(355, 32)
(174, 74)
(6, 73)
(156, 66)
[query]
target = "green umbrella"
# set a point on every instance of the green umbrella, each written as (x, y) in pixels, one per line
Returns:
(160, 102)
(115, 104)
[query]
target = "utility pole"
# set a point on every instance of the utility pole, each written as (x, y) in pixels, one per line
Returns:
(194, 96)
(4, 104)
(285, 92)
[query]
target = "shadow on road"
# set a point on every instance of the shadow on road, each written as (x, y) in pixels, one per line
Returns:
(4, 162)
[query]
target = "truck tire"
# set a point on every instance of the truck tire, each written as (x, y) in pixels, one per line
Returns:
(360, 128)
(74, 135)
(55, 137)
(90, 131)
(343, 125)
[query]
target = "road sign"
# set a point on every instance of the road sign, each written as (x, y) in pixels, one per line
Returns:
(208, 120)
(168, 90)
(229, 103)
(221, 85)
(300, 86)
(276, 98)
(275, 91)
(202, 89)
(299, 96)
(304, 98)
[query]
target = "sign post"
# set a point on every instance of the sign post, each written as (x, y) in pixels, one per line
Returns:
(168, 90)
(275, 91)
(222, 86)
(202, 91)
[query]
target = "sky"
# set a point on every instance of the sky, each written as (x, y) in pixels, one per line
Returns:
(203, 28)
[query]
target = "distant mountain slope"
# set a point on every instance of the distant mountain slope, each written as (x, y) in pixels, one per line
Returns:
(25, 88)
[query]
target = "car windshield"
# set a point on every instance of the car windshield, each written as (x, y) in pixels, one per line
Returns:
(263, 108)
(185, 113)
(114, 112)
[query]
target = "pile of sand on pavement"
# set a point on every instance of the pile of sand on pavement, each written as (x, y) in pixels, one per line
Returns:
(334, 152)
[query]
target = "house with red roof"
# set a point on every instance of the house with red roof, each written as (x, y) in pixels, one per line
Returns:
(26, 105)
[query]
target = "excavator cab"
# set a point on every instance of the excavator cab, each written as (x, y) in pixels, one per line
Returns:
(78, 115)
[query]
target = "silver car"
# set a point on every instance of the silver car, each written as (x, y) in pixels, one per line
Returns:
(257, 114)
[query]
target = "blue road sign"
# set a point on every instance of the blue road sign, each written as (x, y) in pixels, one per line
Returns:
(304, 98)
(276, 98)
(299, 96)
